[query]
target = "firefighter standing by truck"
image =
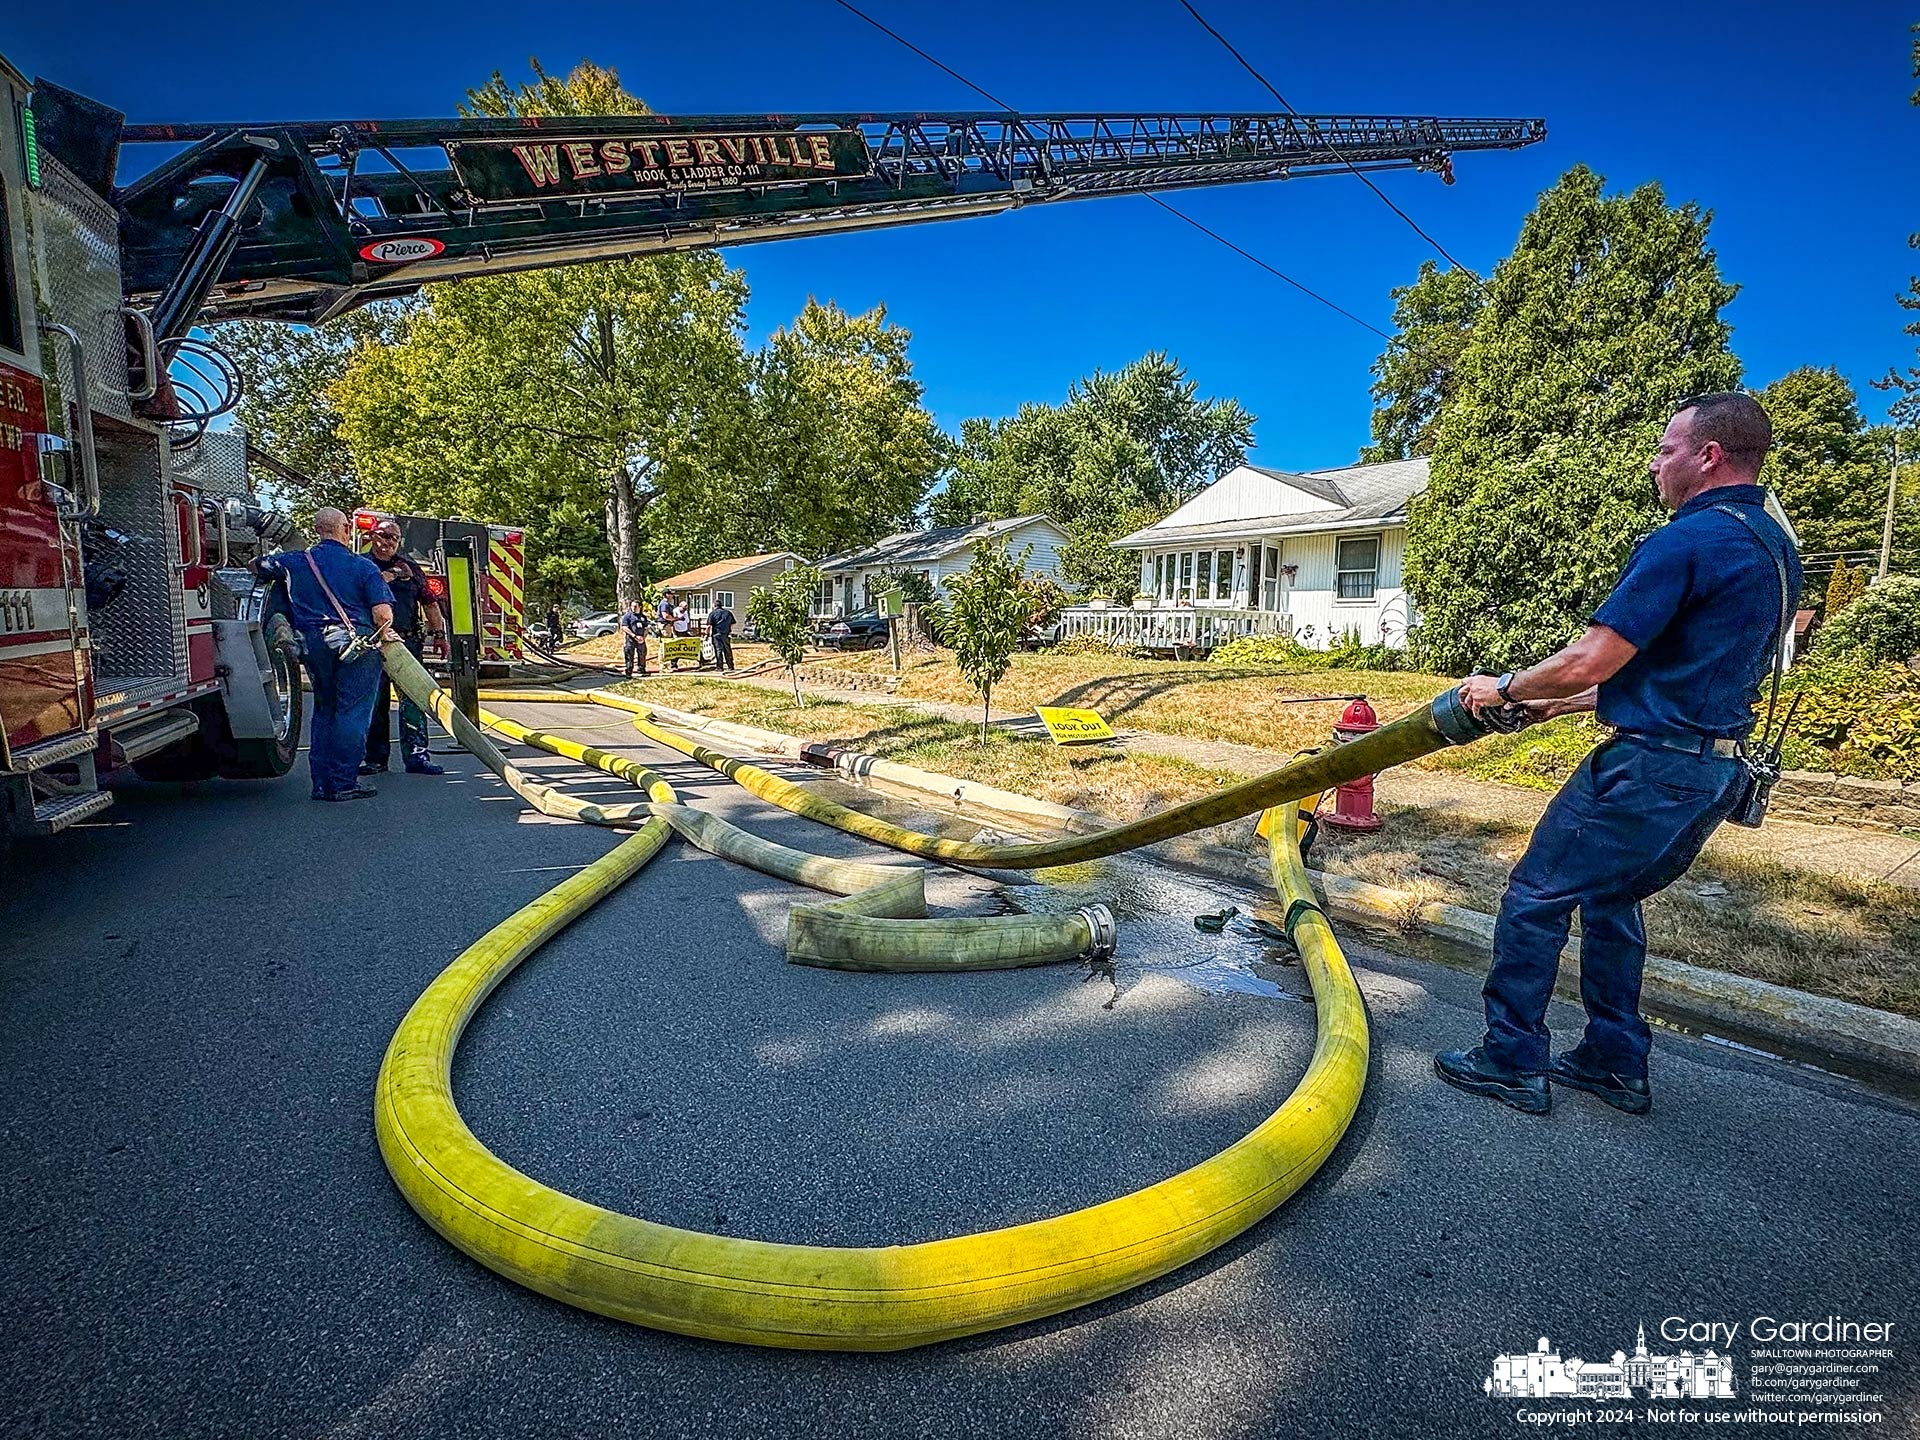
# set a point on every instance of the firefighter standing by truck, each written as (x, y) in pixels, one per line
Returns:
(412, 604)
(332, 591)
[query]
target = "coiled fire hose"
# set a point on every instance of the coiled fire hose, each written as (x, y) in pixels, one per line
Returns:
(821, 1297)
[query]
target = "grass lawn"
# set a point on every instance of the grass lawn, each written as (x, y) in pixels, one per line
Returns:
(1109, 781)
(1853, 939)
(1856, 940)
(1267, 706)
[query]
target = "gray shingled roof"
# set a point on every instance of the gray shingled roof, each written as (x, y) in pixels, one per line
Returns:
(1364, 493)
(910, 547)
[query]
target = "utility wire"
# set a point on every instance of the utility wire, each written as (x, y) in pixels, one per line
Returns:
(1170, 209)
(1287, 105)
(1266, 267)
(925, 56)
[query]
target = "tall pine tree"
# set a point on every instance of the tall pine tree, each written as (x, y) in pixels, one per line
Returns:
(1414, 377)
(1823, 465)
(1603, 319)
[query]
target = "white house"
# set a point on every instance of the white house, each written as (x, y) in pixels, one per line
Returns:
(1259, 551)
(854, 581)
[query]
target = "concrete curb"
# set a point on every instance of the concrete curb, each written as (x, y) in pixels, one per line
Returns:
(1735, 1006)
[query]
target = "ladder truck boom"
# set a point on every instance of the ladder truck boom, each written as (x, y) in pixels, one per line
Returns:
(302, 221)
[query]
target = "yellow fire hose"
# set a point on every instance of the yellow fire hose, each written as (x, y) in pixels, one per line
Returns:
(1444, 722)
(841, 934)
(821, 1297)
(760, 1292)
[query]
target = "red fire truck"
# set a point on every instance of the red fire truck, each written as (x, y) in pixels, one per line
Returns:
(129, 630)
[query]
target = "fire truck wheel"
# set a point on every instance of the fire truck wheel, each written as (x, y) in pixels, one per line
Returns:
(269, 759)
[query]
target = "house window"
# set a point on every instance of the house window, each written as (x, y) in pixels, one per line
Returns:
(1159, 575)
(723, 597)
(1357, 567)
(1203, 587)
(1270, 587)
(1186, 575)
(1223, 575)
(826, 595)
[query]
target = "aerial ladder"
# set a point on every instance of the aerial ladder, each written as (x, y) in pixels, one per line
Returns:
(303, 221)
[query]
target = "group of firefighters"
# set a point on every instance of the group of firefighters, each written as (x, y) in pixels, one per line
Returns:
(342, 605)
(672, 620)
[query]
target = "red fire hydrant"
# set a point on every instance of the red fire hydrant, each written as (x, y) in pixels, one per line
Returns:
(1353, 801)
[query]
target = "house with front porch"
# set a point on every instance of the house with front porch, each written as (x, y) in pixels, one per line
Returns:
(1312, 554)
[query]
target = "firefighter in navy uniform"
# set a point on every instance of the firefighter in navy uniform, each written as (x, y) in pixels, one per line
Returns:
(413, 605)
(1672, 661)
(334, 592)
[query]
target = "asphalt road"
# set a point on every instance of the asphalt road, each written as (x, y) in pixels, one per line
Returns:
(197, 991)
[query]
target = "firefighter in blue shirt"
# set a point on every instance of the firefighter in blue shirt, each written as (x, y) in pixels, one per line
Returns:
(1672, 661)
(330, 588)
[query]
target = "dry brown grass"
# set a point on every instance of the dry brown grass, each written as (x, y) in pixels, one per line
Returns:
(1854, 939)
(1110, 781)
(1171, 697)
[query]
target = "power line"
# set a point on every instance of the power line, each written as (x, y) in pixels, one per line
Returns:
(1266, 267)
(925, 56)
(1287, 105)
(1170, 209)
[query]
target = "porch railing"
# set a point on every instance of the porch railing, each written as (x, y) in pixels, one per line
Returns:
(1172, 630)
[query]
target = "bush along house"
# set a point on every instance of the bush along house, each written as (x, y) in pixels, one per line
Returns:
(1311, 554)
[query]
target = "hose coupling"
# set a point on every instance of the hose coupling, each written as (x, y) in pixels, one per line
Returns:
(1456, 724)
(1100, 925)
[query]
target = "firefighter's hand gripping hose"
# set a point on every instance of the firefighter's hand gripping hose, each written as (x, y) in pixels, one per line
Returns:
(760, 1292)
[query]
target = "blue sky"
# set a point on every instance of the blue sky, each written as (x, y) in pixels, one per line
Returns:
(1789, 121)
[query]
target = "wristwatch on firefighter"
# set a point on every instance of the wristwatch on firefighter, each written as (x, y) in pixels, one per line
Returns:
(1501, 685)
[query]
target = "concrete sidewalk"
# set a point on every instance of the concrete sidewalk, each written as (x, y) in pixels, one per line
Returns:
(1821, 849)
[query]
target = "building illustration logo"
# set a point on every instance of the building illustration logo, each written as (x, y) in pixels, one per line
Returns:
(1542, 1374)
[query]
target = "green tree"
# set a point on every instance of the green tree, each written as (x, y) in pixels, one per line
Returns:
(1822, 464)
(1881, 442)
(287, 407)
(1415, 375)
(1603, 319)
(987, 612)
(780, 617)
(1882, 626)
(1844, 586)
(511, 396)
(833, 449)
(601, 385)
(1904, 382)
(1124, 449)
(595, 386)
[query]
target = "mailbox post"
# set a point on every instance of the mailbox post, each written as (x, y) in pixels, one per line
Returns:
(893, 604)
